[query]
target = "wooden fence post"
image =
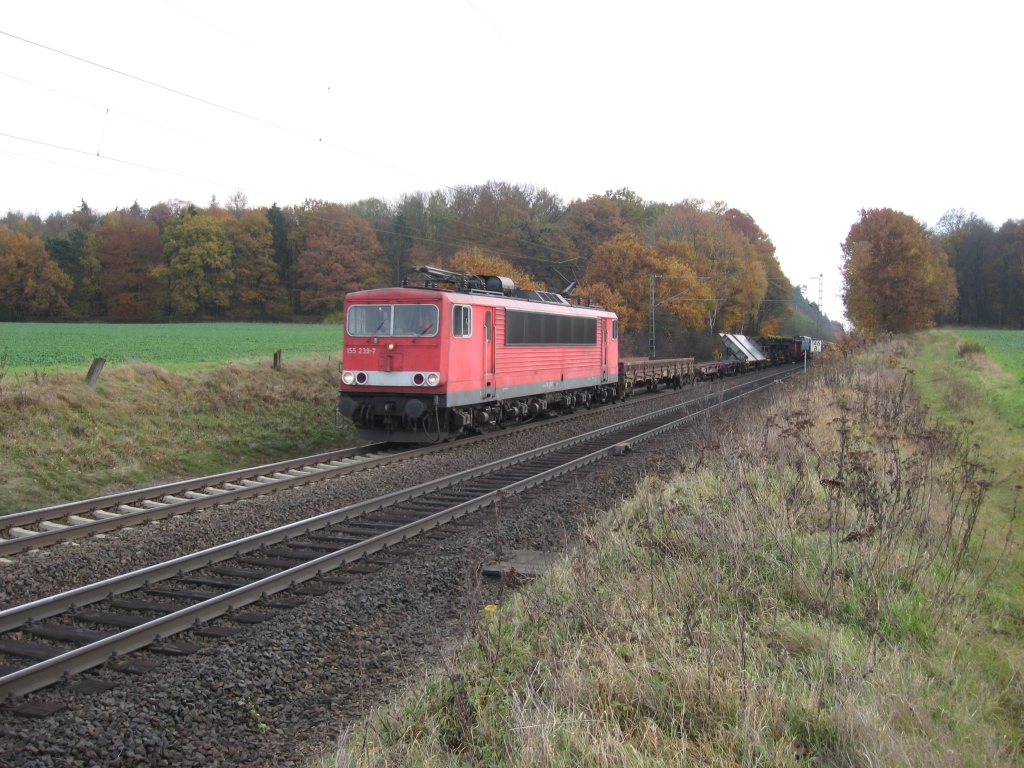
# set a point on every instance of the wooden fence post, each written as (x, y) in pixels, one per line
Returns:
(277, 360)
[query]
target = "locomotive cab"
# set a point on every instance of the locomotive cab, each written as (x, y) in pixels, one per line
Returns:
(392, 360)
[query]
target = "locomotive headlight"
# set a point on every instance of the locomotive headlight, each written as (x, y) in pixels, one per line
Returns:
(348, 377)
(432, 379)
(391, 347)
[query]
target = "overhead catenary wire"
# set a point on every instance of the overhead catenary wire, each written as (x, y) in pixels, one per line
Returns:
(57, 162)
(129, 162)
(100, 106)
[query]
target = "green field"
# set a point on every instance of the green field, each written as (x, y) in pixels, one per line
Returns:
(1005, 389)
(1005, 347)
(48, 346)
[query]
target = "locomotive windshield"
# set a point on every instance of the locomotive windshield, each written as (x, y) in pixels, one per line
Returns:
(392, 320)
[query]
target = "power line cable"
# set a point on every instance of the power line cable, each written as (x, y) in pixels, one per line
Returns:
(66, 165)
(129, 162)
(100, 106)
(158, 85)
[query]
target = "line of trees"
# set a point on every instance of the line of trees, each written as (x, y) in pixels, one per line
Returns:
(989, 266)
(176, 261)
(900, 275)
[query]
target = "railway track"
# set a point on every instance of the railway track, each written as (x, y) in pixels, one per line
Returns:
(86, 627)
(51, 525)
(47, 526)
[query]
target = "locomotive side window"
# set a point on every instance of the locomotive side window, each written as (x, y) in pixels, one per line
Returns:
(487, 327)
(615, 329)
(462, 321)
(415, 320)
(539, 328)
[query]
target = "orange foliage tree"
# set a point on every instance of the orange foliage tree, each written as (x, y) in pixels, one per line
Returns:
(622, 266)
(735, 275)
(32, 286)
(895, 278)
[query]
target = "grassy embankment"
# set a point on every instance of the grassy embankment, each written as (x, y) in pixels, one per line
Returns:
(185, 413)
(826, 584)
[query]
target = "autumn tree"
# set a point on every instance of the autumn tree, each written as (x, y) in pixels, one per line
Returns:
(774, 309)
(383, 219)
(84, 217)
(128, 248)
(723, 256)
(489, 216)
(623, 265)
(519, 223)
(338, 252)
(32, 285)
(258, 292)
(161, 213)
(588, 223)
(197, 272)
(634, 208)
(422, 226)
(894, 278)
(546, 251)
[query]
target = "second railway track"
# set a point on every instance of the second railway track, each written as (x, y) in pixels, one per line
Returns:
(63, 522)
(188, 592)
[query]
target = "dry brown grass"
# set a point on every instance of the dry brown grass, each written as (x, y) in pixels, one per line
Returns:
(62, 440)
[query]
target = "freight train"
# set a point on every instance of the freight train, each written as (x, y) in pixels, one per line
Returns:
(450, 353)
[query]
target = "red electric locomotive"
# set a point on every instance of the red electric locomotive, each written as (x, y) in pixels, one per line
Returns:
(450, 353)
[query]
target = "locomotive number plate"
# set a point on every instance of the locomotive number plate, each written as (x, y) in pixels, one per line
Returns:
(360, 350)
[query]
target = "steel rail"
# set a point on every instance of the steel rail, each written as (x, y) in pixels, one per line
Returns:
(169, 489)
(93, 654)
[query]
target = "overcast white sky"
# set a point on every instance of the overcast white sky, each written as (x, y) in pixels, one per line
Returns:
(798, 113)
